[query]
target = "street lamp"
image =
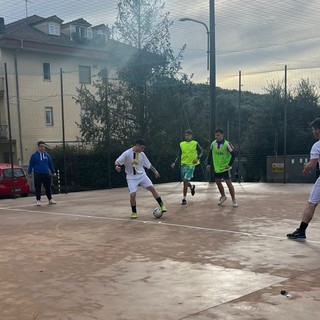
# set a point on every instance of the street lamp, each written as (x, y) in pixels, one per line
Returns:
(208, 36)
(211, 65)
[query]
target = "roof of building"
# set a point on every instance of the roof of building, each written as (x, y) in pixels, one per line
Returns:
(25, 29)
(23, 34)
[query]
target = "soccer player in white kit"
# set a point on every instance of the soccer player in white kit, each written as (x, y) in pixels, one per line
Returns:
(314, 199)
(135, 160)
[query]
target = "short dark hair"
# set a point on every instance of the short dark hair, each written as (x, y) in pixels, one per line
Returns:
(315, 123)
(219, 130)
(40, 142)
(140, 142)
(188, 131)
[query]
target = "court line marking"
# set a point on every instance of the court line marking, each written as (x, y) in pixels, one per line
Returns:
(153, 223)
(44, 203)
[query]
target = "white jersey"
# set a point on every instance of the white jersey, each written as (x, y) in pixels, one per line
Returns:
(315, 192)
(315, 151)
(134, 162)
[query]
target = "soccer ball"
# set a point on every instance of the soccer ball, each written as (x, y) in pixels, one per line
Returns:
(157, 212)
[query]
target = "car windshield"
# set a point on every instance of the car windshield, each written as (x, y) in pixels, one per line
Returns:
(17, 172)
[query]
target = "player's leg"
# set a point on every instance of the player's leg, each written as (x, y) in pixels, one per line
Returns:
(314, 199)
(192, 189)
(133, 204)
(309, 212)
(190, 173)
(185, 182)
(232, 192)
(220, 187)
(218, 180)
(133, 187)
(47, 185)
(146, 183)
(185, 187)
(187, 175)
(300, 233)
(153, 191)
(37, 185)
(46, 180)
(133, 201)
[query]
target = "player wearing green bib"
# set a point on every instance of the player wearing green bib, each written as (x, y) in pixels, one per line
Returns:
(221, 157)
(190, 153)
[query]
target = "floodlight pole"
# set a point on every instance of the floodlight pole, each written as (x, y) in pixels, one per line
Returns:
(285, 125)
(208, 36)
(213, 109)
(211, 64)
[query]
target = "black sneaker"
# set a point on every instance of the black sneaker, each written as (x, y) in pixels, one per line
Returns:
(297, 235)
(193, 190)
(184, 201)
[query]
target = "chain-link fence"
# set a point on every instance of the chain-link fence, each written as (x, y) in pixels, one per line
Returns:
(94, 99)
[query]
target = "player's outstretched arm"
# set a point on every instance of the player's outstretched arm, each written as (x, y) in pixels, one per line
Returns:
(154, 170)
(176, 159)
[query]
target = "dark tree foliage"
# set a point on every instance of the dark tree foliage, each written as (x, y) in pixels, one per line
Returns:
(265, 133)
(150, 98)
(145, 25)
(143, 98)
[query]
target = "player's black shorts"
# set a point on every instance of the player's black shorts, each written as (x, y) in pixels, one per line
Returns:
(223, 175)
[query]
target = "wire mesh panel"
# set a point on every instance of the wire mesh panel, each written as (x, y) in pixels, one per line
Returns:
(79, 76)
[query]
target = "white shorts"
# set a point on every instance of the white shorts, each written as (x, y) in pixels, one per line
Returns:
(138, 180)
(315, 193)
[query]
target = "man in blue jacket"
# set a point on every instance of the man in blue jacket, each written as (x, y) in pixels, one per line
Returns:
(41, 165)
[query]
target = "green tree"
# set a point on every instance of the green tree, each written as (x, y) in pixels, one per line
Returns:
(303, 107)
(144, 25)
(264, 135)
(142, 100)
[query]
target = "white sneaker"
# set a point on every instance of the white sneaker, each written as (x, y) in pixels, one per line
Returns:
(38, 203)
(235, 203)
(51, 201)
(222, 200)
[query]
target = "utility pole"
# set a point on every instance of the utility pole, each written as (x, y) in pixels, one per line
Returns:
(63, 134)
(213, 111)
(239, 132)
(9, 127)
(26, 8)
(285, 125)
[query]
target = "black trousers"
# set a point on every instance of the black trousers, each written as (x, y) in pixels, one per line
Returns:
(45, 179)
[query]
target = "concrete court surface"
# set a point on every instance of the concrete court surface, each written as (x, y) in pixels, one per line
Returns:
(84, 259)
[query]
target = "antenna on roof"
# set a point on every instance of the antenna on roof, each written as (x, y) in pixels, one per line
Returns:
(26, 8)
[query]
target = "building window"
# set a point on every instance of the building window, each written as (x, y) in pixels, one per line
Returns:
(54, 29)
(46, 71)
(89, 33)
(82, 32)
(84, 74)
(48, 113)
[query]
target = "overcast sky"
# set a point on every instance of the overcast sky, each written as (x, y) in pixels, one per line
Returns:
(256, 37)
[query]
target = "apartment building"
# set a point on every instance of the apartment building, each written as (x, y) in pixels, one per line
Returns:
(46, 60)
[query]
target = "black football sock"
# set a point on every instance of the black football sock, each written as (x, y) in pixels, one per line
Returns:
(159, 201)
(303, 226)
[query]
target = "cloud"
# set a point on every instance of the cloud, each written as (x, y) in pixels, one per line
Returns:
(257, 37)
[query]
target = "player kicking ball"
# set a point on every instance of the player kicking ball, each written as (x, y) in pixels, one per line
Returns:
(134, 161)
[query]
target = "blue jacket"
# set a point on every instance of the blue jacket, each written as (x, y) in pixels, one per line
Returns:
(40, 163)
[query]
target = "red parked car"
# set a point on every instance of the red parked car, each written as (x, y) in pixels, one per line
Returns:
(21, 185)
